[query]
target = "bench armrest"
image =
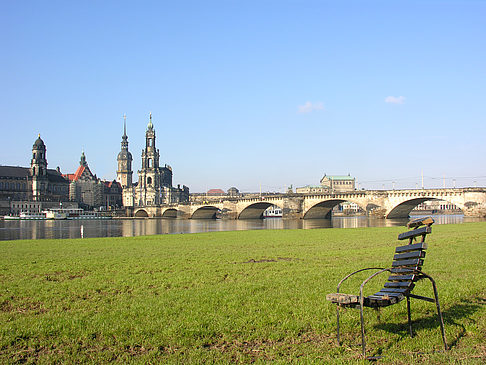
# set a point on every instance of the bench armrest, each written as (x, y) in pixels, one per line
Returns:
(361, 298)
(355, 272)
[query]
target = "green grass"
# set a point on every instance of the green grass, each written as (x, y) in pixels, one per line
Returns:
(246, 296)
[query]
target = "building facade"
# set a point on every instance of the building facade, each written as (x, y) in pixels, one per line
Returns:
(90, 192)
(338, 183)
(330, 184)
(20, 186)
(154, 186)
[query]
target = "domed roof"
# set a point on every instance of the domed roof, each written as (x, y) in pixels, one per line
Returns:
(39, 143)
(150, 126)
(124, 155)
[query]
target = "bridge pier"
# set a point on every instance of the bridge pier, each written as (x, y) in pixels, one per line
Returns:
(292, 208)
(475, 210)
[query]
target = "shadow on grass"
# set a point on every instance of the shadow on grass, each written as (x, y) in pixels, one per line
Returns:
(452, 316)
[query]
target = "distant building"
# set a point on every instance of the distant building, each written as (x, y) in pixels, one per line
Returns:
(338, 183)
(436, 206)
(112, 194)
(35, 184)
(330, 184)
(215, 192)
(233, 191)
(154, 186)
(91, 192)
(309, 189)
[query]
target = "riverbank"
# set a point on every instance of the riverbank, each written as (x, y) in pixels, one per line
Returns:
(238, 296)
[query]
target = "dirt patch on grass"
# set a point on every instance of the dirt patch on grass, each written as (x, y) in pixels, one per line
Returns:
(21, 305)
(253, 261)
(268, 350)
(60, 275)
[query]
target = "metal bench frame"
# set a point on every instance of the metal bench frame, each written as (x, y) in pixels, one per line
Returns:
(355, 301)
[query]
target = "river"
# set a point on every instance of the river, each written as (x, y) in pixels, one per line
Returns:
(14, 230)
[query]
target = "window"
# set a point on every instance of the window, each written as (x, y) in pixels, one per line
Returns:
(149, 180)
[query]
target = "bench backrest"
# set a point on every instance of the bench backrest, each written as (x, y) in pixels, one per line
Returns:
(408, 261)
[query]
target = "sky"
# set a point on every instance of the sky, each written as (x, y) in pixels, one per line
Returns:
(253, 94)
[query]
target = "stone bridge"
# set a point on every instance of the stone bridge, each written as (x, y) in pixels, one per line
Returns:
(379, 203)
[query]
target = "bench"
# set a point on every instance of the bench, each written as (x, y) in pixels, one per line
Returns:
(405, 272)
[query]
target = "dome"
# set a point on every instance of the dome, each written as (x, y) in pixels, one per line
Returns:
(150, 126)
(124, 155)
(39, 143)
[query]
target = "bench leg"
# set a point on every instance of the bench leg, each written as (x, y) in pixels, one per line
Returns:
(337, 315)
(409, 315)
(363, 343)
(441, 320)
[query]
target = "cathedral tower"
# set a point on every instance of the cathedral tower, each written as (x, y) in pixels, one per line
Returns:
(154, 186)
(149, 174)
(38, 169)
(124, 172)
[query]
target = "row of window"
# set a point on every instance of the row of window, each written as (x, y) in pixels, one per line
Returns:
(12, 186)
(58, 189)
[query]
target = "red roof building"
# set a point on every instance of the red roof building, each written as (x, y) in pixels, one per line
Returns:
(216, 192)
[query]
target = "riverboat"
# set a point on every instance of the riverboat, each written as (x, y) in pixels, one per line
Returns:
(75, 213)
(57, 214)
(272, 212)
(78, 213)
(25, 216)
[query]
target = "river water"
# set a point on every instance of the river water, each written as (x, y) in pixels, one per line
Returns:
(14, 230)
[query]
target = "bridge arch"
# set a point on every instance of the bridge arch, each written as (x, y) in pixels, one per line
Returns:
(403, 209)
(170, 213)
(255, 210)
(141, 213)
(205, 212)
(322, 209)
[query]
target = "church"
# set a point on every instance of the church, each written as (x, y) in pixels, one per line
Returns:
(154, 186)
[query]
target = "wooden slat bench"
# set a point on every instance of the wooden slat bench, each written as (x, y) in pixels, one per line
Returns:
(405, 271)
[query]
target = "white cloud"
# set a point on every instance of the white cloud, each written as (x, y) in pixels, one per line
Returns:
(395, 99)
(309, 107)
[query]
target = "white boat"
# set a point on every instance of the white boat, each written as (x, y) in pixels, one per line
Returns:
(25, 216)
(57, 214)
(78, 213)
(272, 212)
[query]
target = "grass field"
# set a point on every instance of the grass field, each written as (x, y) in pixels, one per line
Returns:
(246, 296)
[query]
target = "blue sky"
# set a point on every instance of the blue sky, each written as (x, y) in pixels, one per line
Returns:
(250, 93)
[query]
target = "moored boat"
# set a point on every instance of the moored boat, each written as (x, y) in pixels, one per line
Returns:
(25, 216)
(57, 214)
(272, 212)
(78, 213)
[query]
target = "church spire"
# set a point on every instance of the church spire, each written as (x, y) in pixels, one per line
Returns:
(150, 126)
(124, 172)
(124, 143)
